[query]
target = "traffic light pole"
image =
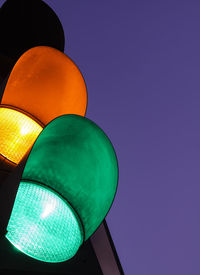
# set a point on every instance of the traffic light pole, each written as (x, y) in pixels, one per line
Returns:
(105, 251)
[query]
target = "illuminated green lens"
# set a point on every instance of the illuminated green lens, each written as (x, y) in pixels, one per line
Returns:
(43, 225)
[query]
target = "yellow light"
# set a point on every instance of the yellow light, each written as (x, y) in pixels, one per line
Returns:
(18, 132)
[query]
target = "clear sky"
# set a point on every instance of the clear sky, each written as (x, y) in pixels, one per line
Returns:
(141, 63)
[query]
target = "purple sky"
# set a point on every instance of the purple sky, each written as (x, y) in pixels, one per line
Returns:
(141, 63)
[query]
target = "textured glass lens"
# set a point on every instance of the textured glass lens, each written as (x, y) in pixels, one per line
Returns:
(42, 225)
(18, 132)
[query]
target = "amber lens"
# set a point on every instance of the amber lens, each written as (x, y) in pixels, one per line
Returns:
(18, 132)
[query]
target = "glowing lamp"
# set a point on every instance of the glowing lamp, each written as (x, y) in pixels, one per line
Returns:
(18, 132)
(43, 84)
(67, 188)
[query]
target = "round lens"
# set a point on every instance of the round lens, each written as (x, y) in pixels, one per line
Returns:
(43, 225)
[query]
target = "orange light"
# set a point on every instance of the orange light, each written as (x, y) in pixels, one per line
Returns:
(46, 83)
(18, 132)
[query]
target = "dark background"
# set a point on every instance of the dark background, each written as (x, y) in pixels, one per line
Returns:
(141, 63)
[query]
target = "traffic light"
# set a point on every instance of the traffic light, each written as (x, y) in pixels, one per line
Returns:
(68, 178)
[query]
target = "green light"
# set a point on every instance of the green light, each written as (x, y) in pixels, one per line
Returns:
(43, 225)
